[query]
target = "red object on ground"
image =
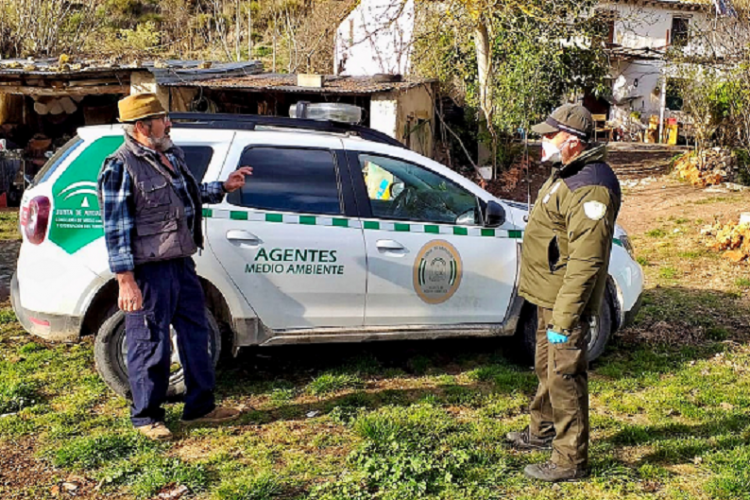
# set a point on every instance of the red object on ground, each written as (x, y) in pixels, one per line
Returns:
(4, 200)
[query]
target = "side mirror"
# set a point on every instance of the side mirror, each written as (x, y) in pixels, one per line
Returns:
(494, 214)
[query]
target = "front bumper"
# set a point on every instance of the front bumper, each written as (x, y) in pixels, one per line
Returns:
(52, 327)
(629, 316)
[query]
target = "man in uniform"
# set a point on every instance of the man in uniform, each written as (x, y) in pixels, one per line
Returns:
(566, 251)
(151, 207)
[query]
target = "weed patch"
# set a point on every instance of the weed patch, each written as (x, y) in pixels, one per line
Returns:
(146, 473)
(93, 452)
(252, 487)
(332, 382)
(16, 395)
(656, 233)
(668, 273)
(7, 316)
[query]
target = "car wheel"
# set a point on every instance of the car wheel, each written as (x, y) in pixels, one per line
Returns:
(110, 355)
(599, 331)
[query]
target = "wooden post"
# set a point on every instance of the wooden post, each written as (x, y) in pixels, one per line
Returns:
(11, 108)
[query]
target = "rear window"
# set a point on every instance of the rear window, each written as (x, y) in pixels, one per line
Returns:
(290, 180)
(49, 168)
(197, 159)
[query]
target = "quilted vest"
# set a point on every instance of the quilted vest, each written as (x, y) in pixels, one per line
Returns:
(161, 229)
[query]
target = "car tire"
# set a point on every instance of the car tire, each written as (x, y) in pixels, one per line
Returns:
(109, 355)
(599, 333)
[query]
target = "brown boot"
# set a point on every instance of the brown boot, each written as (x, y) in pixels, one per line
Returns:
(550, 471)
(217, 416)
(524, 440)
(156, 431)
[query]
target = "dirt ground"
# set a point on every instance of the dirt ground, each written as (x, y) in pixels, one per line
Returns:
(650, 193)
(19, 468)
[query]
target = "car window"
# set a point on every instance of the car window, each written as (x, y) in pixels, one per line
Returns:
(401, 190)
(290, 180)
(49, 168)
(197, 159)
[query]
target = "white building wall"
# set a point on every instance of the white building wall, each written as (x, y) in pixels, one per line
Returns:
(638, 27)
(637, 84)
(375, 38)
(408, 116)
(636, 87)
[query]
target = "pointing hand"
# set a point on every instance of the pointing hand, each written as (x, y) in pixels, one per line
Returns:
(237, 179)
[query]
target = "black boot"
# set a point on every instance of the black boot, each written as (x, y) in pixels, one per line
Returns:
(549, 471)
(524, 440)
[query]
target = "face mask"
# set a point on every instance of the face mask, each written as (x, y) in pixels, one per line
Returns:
(550, 153)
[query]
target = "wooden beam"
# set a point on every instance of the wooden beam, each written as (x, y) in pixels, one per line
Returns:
(69, 91)
(93, 82)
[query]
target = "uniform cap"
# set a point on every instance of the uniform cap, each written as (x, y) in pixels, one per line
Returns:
(140, 107)
(571, 118)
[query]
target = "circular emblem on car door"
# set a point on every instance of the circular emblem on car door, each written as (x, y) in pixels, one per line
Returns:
(437, 272)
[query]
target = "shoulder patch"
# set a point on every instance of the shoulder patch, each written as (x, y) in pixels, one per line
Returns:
(595, 210)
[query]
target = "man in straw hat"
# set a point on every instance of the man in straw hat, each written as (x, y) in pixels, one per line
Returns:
(566, 251)
(151, 207)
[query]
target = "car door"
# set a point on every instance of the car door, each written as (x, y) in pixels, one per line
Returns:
(429, 259)
(290, 239)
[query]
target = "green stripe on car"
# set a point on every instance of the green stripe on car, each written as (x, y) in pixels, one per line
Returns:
(369, 225)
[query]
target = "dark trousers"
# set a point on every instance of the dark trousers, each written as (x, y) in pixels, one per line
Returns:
(561, 405)
(172, 294)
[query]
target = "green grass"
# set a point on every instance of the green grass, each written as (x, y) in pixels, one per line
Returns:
(692, 254)
(264, 486)
(9, 225)
(668, 272)
(92, 452)
(16, 395)
(332, 382)
(405, 420)
(656, 233)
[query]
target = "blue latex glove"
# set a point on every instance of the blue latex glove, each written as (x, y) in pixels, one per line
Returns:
(556, 338)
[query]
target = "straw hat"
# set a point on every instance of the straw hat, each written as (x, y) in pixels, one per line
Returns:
(140, 107)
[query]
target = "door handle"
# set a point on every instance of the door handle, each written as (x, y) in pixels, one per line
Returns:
(390, 246)
(243, 237)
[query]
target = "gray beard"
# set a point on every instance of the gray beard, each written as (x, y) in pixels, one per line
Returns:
(161, 145)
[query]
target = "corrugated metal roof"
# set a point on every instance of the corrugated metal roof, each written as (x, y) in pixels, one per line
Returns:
(164, 71)
(274, 82)
(676, 4)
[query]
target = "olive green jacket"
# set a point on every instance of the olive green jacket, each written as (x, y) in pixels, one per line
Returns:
(568, 239)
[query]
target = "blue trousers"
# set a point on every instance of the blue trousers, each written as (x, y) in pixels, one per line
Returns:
(172, 294)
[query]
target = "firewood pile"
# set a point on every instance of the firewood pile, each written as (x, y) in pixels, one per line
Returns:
(732, 238)
(707, 168)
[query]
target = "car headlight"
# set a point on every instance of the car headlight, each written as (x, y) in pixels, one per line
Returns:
(627, 245)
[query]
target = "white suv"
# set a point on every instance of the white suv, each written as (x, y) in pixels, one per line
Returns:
(341, 235)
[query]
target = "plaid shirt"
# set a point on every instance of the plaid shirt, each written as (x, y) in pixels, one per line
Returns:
(118, 206)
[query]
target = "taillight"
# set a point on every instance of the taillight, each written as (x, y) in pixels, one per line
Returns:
(38, 219)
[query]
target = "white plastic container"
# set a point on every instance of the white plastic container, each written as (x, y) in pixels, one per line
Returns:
(337, 112)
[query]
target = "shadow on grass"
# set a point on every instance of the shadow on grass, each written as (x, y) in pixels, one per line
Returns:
(677, 443)
(372, 375)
